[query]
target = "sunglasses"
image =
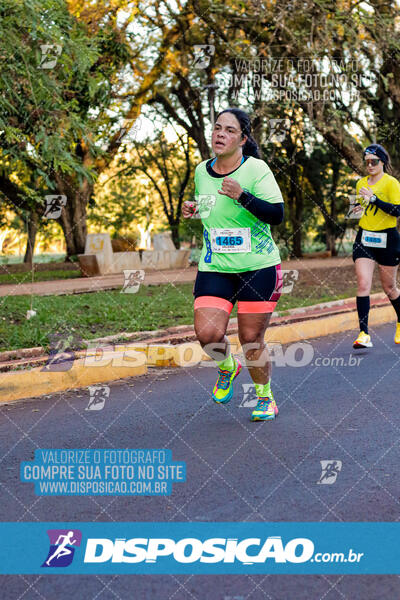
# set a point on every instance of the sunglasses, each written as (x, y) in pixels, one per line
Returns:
(372, 161)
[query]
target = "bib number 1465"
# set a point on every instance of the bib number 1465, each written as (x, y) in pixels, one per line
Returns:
(236, 240)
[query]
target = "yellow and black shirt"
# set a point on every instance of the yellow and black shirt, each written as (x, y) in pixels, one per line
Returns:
(386, 189)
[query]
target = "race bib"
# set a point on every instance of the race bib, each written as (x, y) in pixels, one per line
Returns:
(374, 239)
(231, 240)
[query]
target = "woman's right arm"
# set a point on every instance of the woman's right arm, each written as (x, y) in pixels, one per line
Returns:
(189, 207)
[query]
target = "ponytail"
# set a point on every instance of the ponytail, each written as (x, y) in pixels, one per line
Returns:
(250, 148)
(388, 167)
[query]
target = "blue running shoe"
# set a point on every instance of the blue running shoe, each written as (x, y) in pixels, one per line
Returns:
(266, 410)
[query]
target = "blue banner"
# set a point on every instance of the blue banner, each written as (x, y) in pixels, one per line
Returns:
(199, 548)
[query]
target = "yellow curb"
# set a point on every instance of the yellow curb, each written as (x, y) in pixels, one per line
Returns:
(323, 326)
(36, 382)
(128, 360)
(189, 354)
(167, 355)
(301, 330)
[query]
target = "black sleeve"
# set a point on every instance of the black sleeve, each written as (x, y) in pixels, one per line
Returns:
(267, 212)
(388, 207)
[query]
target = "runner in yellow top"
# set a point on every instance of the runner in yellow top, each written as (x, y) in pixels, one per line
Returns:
(378, 240)
(238, 200)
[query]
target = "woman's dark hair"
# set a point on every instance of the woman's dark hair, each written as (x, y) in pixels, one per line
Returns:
(250, 148)
(382, 154)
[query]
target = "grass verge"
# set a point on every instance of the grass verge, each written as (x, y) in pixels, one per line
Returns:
(93, 315)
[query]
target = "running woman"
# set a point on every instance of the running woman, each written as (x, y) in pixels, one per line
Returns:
(239, 199)
(378, 240)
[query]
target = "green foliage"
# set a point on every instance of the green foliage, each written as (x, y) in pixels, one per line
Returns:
(57, 84)
(58, 122)
(39, 123)
(146, 185)
(191, 228)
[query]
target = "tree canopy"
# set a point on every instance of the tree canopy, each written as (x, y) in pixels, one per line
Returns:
(77, 75)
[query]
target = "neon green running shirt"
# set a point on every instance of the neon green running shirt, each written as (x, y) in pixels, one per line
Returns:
(219, 212)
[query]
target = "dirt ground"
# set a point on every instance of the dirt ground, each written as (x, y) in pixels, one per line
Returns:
(332, 280)
(54, 266)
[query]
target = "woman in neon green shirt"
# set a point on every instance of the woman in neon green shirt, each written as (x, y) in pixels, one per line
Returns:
(238, 199)
(378, 240)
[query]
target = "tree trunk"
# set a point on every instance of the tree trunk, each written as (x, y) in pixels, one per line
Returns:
(74, 232)
(175, 235)
(331, 230)
(297, 238)
(330, 239)
(32, 226)
(298, 234)
(73, 215)
(296, 210)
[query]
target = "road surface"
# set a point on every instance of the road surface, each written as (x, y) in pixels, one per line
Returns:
(342, 406)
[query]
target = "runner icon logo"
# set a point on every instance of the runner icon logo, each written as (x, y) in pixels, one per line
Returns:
(61, 352)
(278, 129)
(50, 54)
(54, 206)
(330, 471)
(250, 398)
(130, 133)
(289, 277)
(204, 204)
(62, 547)
(202, 54)
(98, 396)
(133, 279)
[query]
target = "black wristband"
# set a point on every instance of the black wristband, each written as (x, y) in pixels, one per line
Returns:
(244, 197)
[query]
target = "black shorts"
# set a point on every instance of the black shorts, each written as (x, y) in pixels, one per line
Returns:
(389, 256)
(255, 291)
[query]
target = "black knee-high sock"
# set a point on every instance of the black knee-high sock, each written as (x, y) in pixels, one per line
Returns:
(396, 306)
(363, 310)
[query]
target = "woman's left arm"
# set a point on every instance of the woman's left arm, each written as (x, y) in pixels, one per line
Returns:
(262, 209)
(391, 208)
(265, 199)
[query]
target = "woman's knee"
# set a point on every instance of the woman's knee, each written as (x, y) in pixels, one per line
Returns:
(251, 341)
(363, 286)
(208, 335)
(391, 290)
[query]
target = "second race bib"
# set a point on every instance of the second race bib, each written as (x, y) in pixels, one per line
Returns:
(374, 239)
(231, 240)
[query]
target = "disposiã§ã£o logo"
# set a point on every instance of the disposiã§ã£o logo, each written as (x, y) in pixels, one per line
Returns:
(62, 547)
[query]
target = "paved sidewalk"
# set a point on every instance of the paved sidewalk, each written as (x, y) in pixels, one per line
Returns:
(115, 281)
(93, 284)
